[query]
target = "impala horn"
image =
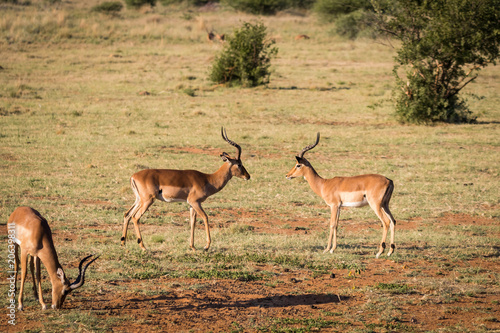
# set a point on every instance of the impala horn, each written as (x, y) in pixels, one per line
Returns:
(307, 148)
(80, 280)
(232, 143)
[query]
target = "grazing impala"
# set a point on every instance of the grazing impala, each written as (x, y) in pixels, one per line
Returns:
(33, 237)
(190, 186)
(357, 191)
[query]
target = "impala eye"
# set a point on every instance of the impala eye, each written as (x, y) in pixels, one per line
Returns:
(298, 166)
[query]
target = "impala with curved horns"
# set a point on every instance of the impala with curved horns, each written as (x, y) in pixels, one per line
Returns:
(190, 186)
(33, 237)
(357, 191)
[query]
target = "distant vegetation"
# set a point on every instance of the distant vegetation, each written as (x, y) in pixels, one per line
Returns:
(108, 7)
(438, 55)
(246, 57)
(87, 98)
(267, 7)
(139, 3)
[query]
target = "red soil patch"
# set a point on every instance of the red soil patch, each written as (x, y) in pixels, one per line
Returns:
(348, 299)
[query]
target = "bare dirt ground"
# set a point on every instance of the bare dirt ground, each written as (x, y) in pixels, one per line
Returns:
(191, 305)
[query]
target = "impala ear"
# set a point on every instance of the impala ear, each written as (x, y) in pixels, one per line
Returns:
(60, 275)
(225, 157)
(299, 159)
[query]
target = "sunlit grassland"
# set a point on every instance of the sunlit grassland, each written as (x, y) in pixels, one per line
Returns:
(75, 123)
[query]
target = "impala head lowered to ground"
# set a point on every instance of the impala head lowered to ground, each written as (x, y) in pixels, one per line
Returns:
(33, 237)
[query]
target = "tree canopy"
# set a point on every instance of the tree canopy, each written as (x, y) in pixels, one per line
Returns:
(444, 44)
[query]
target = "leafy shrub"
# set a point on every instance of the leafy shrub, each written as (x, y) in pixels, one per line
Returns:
(267, 7)
(351, 25)
(423, 102)
(439, 54)
(108, 7)
(329, 10)
(264, 7)
(245, 58)
(352, 18)
(187, 2)
(139, 3)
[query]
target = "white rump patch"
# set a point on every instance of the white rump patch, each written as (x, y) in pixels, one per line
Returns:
(17, 241)
(355, 204)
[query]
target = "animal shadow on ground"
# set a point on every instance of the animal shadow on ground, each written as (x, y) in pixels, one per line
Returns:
(266, 302)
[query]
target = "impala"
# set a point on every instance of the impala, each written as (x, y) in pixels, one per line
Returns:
(189, 186)
(33, 237)
(357, 191)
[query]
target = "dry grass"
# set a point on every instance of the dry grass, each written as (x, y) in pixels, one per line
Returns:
(75, 123)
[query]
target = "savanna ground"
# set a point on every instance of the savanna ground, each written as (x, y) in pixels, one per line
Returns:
(86, 100)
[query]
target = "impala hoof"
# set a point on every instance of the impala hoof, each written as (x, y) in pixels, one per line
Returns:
(391, 251)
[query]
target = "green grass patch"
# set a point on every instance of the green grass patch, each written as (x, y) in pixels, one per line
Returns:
(301, 325)
(224, 272)
(114, 94)
(395, 288)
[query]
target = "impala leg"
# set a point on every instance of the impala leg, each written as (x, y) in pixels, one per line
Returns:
(392, 226)
(203, 215)
(135, 218)
(385, 224)
(32, 269)
(39, 282)
(24, 264)
(192, 223)
(16, 266)
(334, 220)
(126, 219)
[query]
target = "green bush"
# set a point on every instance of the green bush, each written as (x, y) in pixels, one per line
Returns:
(246, 57)
(187, 2)
(353, 18)
(354, 25)
(108, 7)
(444, 44)
(422, 101)
(329, 10)
(264, 7)
(267, 7)
(139, 3)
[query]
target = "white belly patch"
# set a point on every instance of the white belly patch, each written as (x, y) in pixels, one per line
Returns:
(355, 204)
(166, 199)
